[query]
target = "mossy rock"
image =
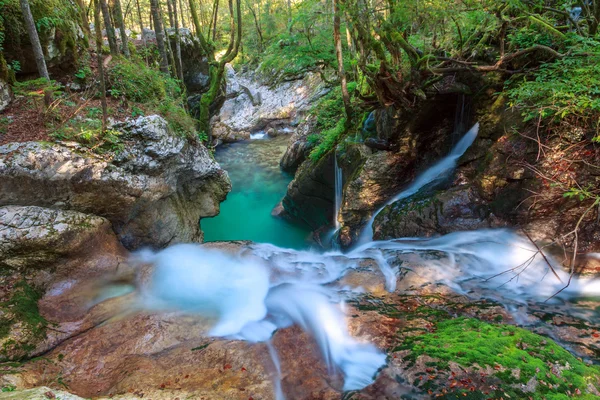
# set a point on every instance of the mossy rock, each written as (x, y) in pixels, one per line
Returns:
(508, 361)
(21, 325)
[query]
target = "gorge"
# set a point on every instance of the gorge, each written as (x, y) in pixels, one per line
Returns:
(300, 200)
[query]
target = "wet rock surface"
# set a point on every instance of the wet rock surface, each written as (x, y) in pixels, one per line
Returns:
(426, 329)
(154, 191)
(49, 260)
(455, 209)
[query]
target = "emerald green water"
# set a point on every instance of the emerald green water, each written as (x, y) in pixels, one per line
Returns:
(257, 186)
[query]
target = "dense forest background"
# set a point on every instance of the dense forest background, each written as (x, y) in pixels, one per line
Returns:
(539, 58)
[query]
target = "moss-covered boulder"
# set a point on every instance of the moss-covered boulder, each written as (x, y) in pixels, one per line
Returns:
(62, 29)
(432, 213)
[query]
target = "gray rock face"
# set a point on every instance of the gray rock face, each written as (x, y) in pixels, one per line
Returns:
(310, 196)
(5, 95)
(299, 147)
(154, 192)
(456, 209)
(32, 236)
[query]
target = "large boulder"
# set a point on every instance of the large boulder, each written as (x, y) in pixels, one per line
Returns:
(154, 191)
(310, 196)
(48, 258)
(427, 214)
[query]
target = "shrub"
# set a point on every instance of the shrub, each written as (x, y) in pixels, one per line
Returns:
(328, 140)
(568, 88)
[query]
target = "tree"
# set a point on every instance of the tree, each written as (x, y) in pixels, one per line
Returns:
(119, 17)
(216, 70)
(160, 36)
(98, 28)
(177, 42)
(40, 61)
(340, 60)
(110, 30)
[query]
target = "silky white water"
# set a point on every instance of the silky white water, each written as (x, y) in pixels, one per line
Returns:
(264, 288)
(338, 184)
(438, 171)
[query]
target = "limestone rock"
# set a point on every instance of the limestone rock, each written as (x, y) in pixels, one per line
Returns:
(299, 147)
(32, 236)
(5, 95)
(50, 255)
(427, 214)
(225, 134)
(154, 191)
(39, 393)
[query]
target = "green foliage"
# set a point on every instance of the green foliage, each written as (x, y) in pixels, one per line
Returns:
(308, 46)
(470, 342)
(88, 132)
(135, 81)
(566, 89)
(60, 17)
(36, 87)
(328, 140)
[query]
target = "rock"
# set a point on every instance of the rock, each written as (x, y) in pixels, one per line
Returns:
(426, 214)
(252, 106)
(5, 95)
(371, 178)
(32, 236)
(168, 355)
(44, 255)
(148, 34)
(299, 147)
(39, 393)
(272, 132)
(378, 144)
(310, 196)
(225, 134)
(154, 191)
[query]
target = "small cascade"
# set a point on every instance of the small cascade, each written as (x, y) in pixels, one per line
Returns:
(258, 135)
(436, 172)
(339, 187)
(462, 117)
(265, 288)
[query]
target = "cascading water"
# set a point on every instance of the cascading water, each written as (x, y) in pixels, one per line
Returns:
(265, 288)
(338, 192)
(436, 172)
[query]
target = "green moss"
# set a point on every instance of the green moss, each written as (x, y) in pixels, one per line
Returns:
(22, 307)
(505, 349)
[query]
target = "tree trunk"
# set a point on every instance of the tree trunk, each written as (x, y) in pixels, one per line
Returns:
(160, 36)
(40, 61)
(110, 31)
(340, 60)
(84, 17)
(119, 19)
(217, 70)
(98, 28)
(177, 43)
(170, 12)
(214, 21)
(141, 23)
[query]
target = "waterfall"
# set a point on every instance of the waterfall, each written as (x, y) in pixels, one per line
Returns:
(265, 288)
(438, 171)
(339, 187)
